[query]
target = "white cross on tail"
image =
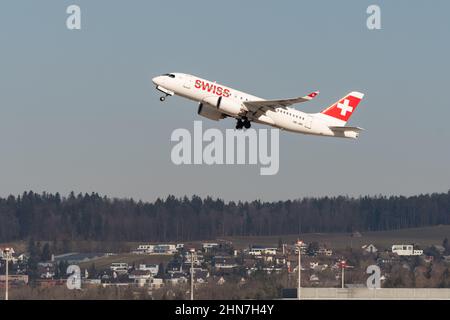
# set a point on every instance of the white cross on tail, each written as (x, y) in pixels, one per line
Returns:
(345, 107)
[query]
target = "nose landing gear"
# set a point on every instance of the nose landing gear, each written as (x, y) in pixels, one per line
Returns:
(163, 98)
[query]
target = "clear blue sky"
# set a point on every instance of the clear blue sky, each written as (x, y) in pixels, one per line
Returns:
(78, 110)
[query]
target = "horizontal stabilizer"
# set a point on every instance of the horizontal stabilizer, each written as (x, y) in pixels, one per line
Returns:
(344, 128)
(346, 132)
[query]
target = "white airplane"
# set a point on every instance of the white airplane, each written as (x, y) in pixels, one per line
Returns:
(218, 102)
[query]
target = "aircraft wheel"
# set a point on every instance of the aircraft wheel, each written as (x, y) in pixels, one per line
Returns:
(247, 124)
(239, 124)
(162, 99)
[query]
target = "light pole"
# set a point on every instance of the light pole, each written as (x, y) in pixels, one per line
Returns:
(343, 266)
(7, 252)
(192, 273)
(299, 244)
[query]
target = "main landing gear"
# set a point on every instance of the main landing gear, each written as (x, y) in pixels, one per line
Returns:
(163, 98)
(243, 123)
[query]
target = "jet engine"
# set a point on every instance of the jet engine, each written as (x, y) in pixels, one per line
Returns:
(225, 105)
(207, 111)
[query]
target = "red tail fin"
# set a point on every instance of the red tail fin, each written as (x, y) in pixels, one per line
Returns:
(344, 108)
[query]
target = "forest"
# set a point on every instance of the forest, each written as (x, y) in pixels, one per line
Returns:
(99, 218)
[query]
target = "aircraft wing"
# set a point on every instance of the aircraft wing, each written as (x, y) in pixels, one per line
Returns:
(271, 104)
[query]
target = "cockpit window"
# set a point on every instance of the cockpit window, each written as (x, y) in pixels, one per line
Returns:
(171, 75)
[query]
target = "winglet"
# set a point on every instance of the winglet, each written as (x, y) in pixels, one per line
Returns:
(312, 95)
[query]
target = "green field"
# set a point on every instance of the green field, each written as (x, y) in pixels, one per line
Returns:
(384, 239)
(105, 262)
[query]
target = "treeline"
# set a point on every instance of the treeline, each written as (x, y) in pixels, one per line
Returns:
(92, 217)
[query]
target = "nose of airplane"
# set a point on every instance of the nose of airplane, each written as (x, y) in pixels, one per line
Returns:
(156, 80)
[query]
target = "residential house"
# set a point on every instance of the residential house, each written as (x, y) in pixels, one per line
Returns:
(201, 276)
(153, 268)
(325, 252)
(156, 283)
(280, 259)
(260, 250)
(273, 269)
(198, 258)
(164, 249)
(314, 278)
(209, 246)
(406, 250)
(11, 255)
(119, 267)
(369, 248)
(294, 248)
(224, 263)
(176, 278)
(140, 277)
(174, 266)
(144, 249)
(46, 270)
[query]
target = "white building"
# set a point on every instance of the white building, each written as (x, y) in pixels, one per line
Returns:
(369, 248)
(314, 278)
(156, 283)
(208, 246)
(157, 249)
(176, 279)
(198, 258)
(140, 277)
(221, 262)
(258, 251)
(10, 252)
(144, 248)
(152, 268)
(325, 252)
(406, 250)
(119, 267)
(303, 247)
(164, 249)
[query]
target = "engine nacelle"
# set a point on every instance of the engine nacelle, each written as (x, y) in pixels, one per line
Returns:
(210, 112)
(225, 105)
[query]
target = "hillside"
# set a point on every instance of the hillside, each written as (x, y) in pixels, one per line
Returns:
(384, 239)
